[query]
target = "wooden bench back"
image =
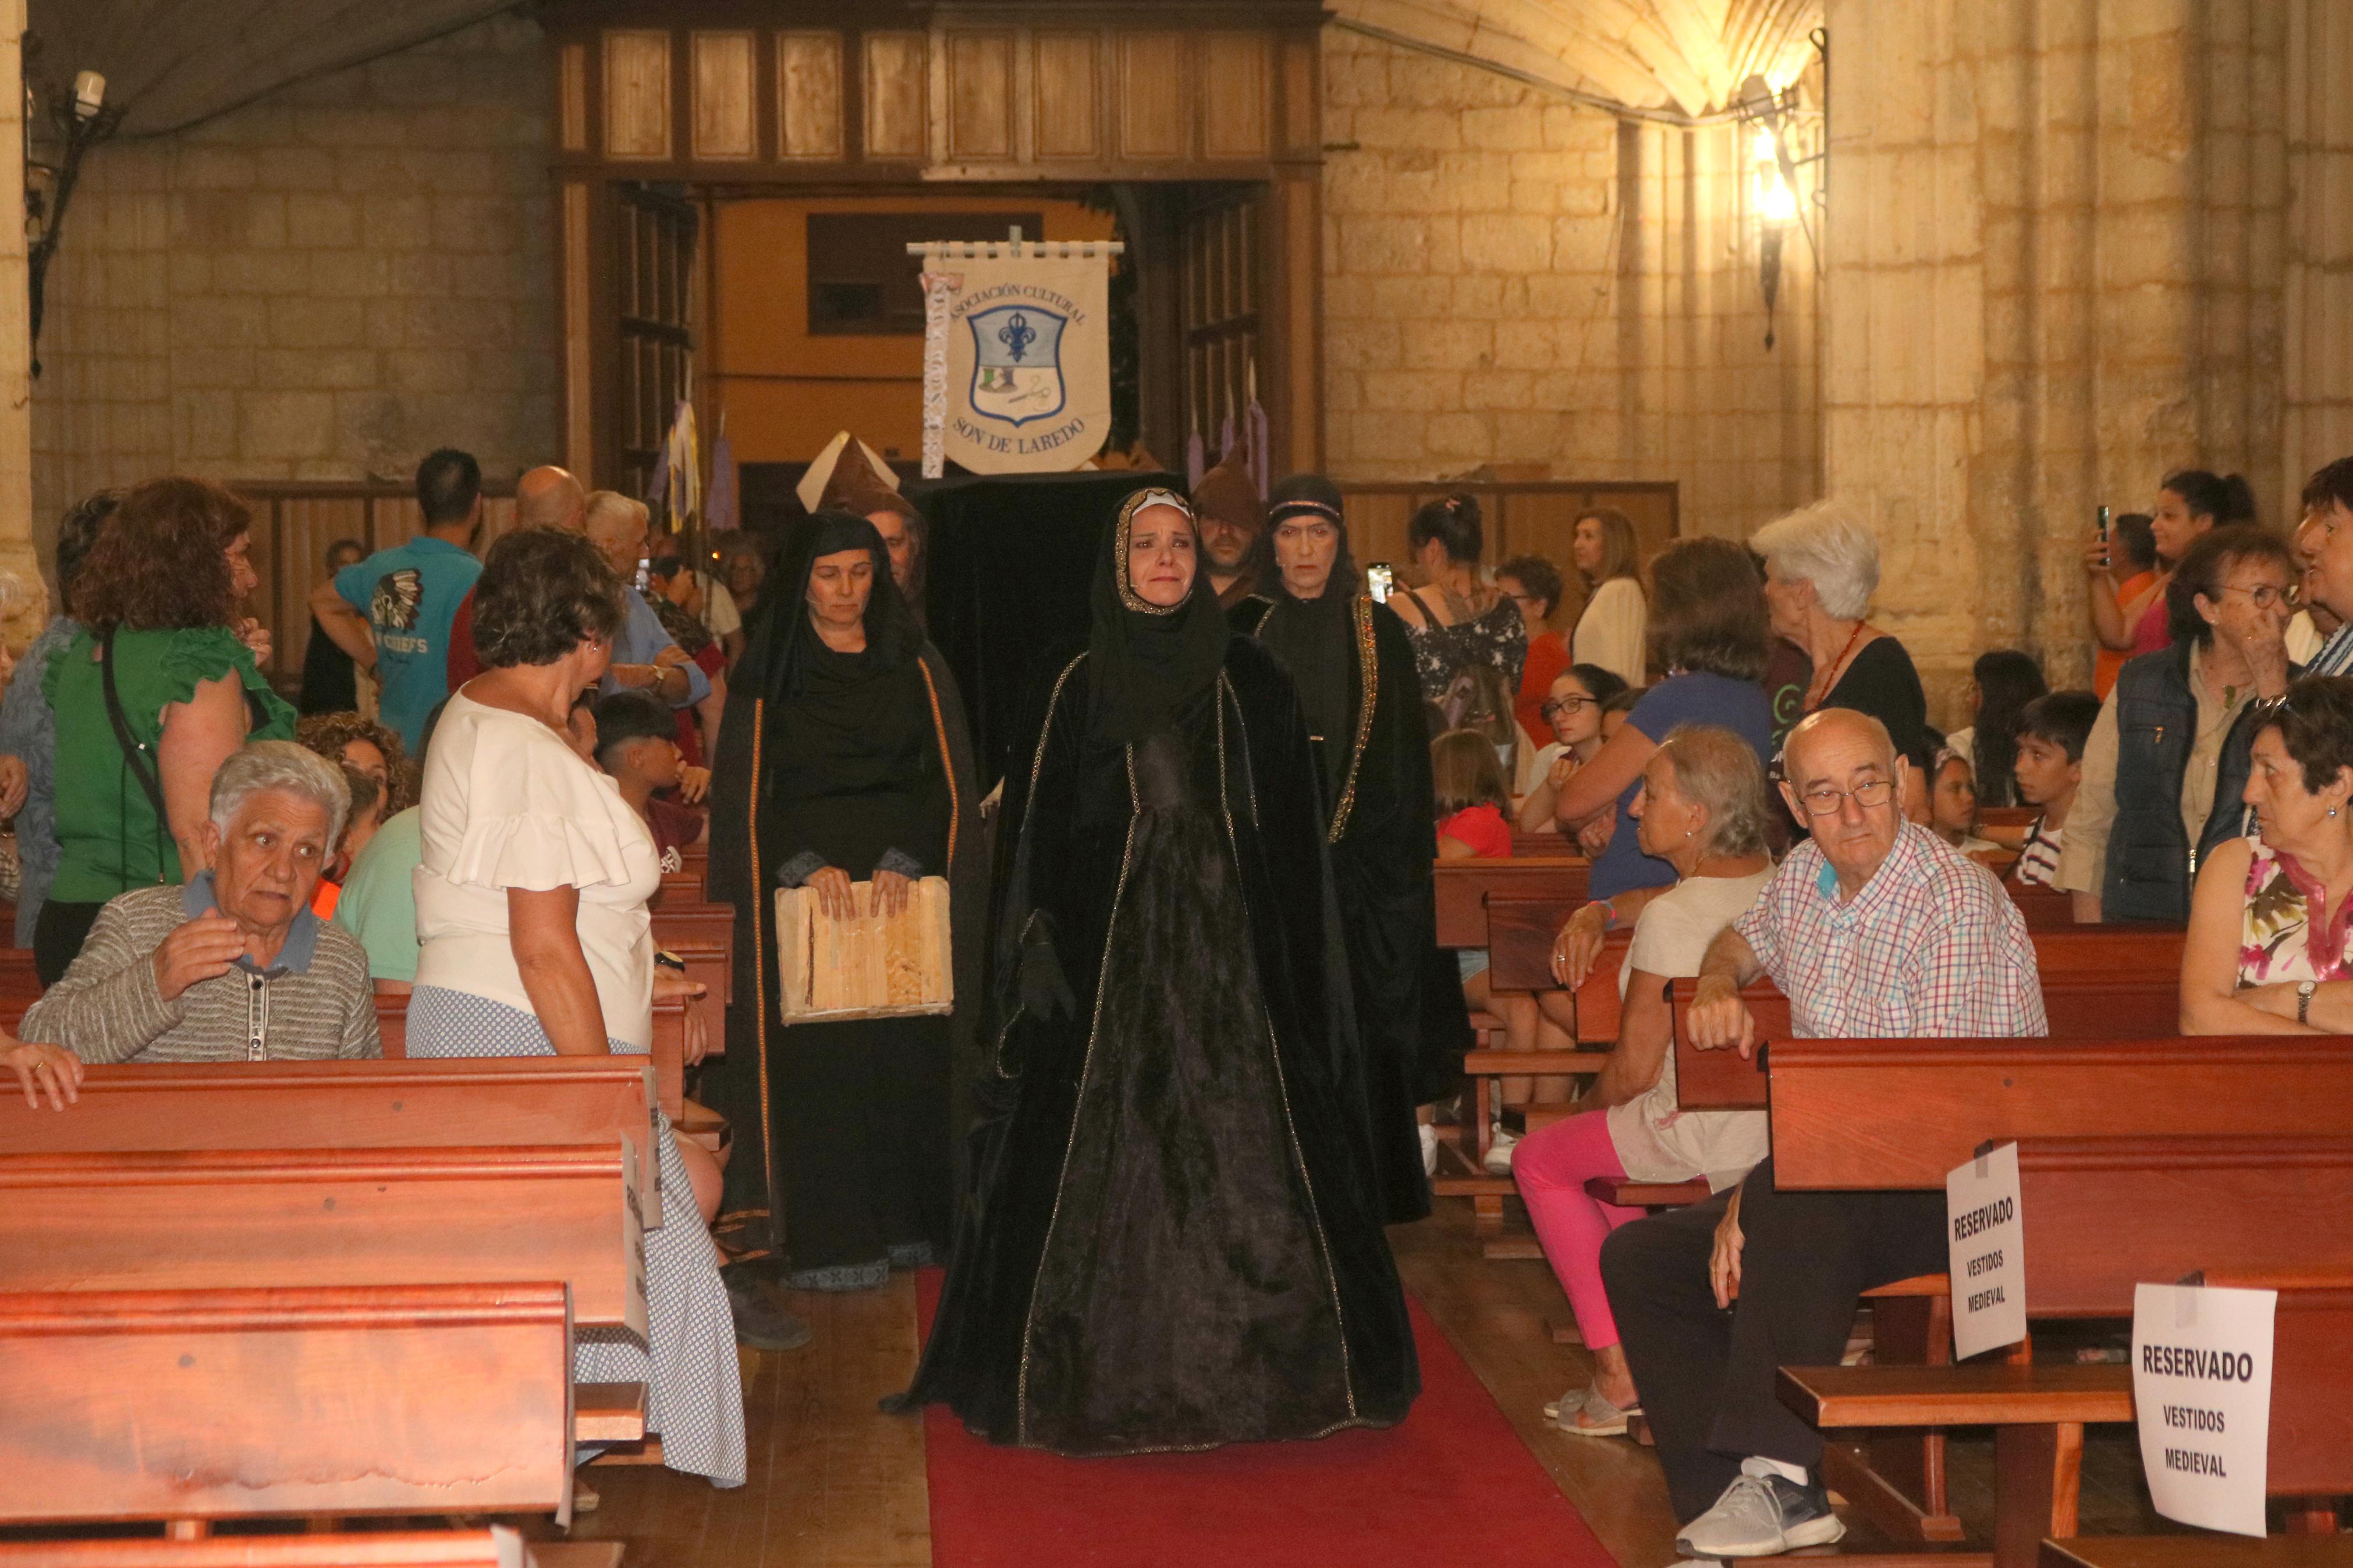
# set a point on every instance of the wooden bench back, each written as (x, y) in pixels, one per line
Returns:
(667, 1056)
(214, 1220)
(2087, 1006)
(1901, 1113)
(423, 1399)
(2311, 1449)
(594, 1100)
(2100, 1214)
(492, 1546)
(1462, 887)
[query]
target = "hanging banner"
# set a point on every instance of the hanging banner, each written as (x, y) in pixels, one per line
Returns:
(1018, 372)
(2202, 1397)
(1984, 1243)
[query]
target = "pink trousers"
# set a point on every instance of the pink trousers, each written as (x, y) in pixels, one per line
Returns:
(1551, 1168)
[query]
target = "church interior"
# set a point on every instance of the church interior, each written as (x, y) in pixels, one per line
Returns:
(1965, 279)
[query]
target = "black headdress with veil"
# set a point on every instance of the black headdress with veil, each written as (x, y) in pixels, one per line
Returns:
(1146, 660)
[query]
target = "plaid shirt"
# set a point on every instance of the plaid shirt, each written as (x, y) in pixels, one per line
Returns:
(1932, 946)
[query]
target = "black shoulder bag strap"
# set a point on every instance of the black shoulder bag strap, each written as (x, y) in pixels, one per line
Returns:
(133, 753)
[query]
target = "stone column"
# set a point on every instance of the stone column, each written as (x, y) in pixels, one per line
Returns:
(17, 557)
(2056, 240)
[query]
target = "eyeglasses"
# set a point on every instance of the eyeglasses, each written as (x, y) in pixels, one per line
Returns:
(1558, 706)
(1825, 801)
(2265, 596)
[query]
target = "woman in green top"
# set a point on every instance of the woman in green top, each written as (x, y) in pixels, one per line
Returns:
(159, 598)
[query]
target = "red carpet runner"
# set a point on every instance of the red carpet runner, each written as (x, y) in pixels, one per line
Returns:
(1452, 1485)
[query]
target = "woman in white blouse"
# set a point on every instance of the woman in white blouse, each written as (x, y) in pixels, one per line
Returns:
(535, 941)
(1612, 630)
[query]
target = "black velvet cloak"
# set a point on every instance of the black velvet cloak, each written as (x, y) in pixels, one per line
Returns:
(793, 704)
(1176, 1243)
(1410, 1014)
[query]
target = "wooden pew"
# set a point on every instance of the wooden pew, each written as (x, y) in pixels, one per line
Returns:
(2099, 1214)
(354, 1105)
(2309, 1454)
(1901, 1113)
(1462, 887)
(667, 1058)
(492, 1546)
(377, 1400)
(2079, 1007)
(220, 1220)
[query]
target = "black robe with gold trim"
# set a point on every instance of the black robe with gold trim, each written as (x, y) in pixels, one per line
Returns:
(1410, 1014)
(1176, 1242)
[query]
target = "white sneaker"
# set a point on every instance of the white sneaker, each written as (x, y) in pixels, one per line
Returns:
(1428, 1149)
(1761, 1516)
(1499, 1153)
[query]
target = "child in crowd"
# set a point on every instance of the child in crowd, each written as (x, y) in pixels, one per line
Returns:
(1573, 710)
(2051, 735)
(637, 743)
(1953, 806)
(366, 814)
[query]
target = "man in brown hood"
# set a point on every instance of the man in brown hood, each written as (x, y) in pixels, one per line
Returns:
(1232, 517)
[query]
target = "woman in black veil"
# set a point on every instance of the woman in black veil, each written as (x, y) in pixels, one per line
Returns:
(1175, 1242)
(844, 757)
(1353, 665)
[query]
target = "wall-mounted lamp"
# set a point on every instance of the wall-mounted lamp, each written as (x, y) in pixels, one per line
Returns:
(77, 122)
(1772, 182)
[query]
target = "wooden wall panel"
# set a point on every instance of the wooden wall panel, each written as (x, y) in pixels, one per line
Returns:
(1151, 97)
(571, 97)
(1235, 83)
(636, 94)
(579, 403)
(726, 95)
(1302, 120)
(897, 93)
(980, 96)
(1067, 87)
(808, 87)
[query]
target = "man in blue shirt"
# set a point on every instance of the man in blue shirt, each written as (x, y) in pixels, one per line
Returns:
(646, 657)
(391, 611)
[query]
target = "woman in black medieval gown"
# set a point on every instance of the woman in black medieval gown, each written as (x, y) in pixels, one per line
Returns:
(843, 758)
(1353, 665)
(1175, 1242)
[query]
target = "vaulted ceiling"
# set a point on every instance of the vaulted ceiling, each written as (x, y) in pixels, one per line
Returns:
(175, 62)
(1689, 55)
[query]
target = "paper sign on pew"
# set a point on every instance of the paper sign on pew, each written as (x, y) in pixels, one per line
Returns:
(2202, 1398)
(1984, 1245)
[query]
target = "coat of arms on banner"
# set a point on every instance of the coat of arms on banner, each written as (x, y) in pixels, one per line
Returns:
(1024, 361)
(1017, 369)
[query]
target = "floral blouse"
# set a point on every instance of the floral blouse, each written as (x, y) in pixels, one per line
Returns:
(2277, 939)
(1496, 638)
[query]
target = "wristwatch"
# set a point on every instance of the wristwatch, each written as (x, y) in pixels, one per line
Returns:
(2303, 1000)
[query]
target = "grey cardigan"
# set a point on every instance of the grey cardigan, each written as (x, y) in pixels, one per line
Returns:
(314, 1003)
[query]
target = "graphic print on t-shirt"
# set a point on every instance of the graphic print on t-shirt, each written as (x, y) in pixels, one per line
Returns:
(393, 605)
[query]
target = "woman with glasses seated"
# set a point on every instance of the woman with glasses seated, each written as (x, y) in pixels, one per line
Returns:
(1572, 711)
(2167, 761)
(2269, 950)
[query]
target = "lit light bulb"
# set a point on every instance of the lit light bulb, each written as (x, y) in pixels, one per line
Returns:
(1765, 150)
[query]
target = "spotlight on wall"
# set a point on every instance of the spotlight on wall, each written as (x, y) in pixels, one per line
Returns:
(1772, 184)
(62, 127)
(1770, 196)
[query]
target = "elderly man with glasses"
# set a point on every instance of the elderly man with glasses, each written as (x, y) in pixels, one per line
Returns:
(1874, 928)
(232, 965)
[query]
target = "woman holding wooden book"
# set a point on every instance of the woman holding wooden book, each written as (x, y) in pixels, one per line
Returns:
(845, 768)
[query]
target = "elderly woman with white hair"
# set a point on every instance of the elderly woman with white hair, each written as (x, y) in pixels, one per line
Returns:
(1822, 566)
(232, 965)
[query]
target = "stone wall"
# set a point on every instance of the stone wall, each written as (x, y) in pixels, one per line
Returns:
(2075, 246)
(1516, 280)
(326, 284)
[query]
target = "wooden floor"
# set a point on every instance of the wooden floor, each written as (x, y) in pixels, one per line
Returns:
(837, 1484)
